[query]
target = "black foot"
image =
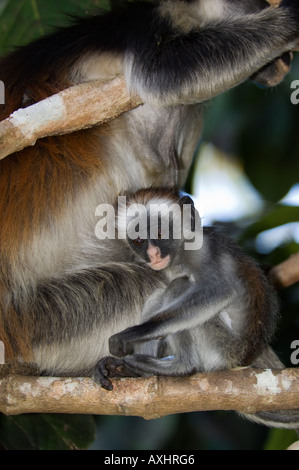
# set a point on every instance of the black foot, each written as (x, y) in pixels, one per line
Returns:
(111, 366)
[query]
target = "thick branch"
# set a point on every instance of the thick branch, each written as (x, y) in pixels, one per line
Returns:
(246, 390)
(75, 108)
(287, 273)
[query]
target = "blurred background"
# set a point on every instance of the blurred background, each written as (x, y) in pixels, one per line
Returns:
(245, 177)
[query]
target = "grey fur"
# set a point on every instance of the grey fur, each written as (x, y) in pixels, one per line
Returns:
(65, 289)
(218, 311)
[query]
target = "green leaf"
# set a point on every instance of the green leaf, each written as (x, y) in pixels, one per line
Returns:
(280, 439)
(22, 21)
(47, 432)
(274, 217)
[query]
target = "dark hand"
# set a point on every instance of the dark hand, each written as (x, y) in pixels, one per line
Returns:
(111, 366)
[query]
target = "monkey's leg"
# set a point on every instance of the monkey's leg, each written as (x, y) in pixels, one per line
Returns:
(74, 315)
(111, 366)
(139, 365)
(168, 366)
(193, 309)
(274, 72)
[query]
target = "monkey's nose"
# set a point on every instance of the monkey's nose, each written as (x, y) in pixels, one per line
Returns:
(156, 251)
(153, 252)
(156, 260)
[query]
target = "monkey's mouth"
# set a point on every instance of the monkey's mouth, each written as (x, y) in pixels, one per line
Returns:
(160, 263)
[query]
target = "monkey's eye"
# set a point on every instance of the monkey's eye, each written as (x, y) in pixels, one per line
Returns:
(138, 241)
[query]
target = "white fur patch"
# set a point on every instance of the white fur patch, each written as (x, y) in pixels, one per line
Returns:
(226, 319)
(96, 66)
(186, 17)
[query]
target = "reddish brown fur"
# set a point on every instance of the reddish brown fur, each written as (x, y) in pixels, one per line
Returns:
(260, 321)
(35, 187)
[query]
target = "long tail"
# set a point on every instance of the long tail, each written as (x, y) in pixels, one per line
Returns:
(288, 419)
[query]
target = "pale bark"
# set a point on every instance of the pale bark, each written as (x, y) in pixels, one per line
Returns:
(287, 273)
(246, 390)
(78, 107)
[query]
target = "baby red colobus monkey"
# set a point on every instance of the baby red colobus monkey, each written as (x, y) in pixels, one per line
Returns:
(217, 311)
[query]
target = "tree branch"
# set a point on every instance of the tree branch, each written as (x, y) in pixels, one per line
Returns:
(287, 273)
(243, 389)
(246, 390)
(78, 107)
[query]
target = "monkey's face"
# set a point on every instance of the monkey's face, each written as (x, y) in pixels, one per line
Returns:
(158, 252)
(157, 261)
(157, 226)
(150, 251)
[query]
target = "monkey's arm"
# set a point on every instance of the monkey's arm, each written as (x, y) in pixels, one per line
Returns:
(173, 66)
(198, 304)
(167, 57)
(180, 308)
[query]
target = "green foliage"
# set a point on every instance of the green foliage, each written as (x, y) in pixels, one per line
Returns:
(46, 432)
(260, 127)
(280, 439)
(275, 216)
(24, 20)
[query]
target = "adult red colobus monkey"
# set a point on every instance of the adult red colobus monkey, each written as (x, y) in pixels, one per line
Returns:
(63, 292)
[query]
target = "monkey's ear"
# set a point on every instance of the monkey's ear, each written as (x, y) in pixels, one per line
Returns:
(194, 214)
(185, 199)
(193, 223)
